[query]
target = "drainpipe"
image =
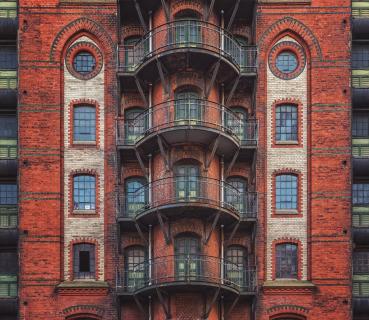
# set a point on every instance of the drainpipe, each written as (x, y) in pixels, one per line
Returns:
(150, 179)
(150, 254)
(150, 106)
(222, 180)
(150, 30)
(222, 101)
(222, 31)
(222, 253)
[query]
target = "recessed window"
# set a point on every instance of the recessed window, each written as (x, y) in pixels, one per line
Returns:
(360, 125)
(188, 108)
(286, 123)
(360, 194)
(235, 193)
(136, 196)
(84, 123)
(360, 57)
(286, 192)
(84, 192)
(286, 261)
(136, 124)
(188, 259)
(136, 267)
(84, 62)
(235, 265)
(84, 261)
(286, 62)
(187, 182)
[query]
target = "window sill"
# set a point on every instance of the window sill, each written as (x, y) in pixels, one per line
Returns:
(287, 142)
(288, 283)
(286, 212)
(84, 143)
(84, 212)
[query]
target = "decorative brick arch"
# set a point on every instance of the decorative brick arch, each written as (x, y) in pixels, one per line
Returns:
(288, 310)
(77, 311)
(81, 25)
(286, 26)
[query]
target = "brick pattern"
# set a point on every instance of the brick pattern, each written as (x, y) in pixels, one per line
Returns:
(83, 159)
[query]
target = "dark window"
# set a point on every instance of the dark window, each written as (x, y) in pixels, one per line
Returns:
(8, 194)
(84, 123)
(235, 193)
(286, 192)
(286, 123)
(8, 58)
(84, 192)
(136, 123)
(235, 265)
(136, 267)
(188, 260)
(360, 193)
(361, 262)
(236, 122)
(187, 182)
(8, 127)
(286, 62)
(360, 57)
(360, 125)
(286, 261)
(84, 261)
(136, 195)
(8, 273)
(84, 62)
(188, 108)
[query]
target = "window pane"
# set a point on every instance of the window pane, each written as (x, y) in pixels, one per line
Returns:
(136, 267)
(8, 57)
(360, 193)
(84, 123)
(136, 123)
(136, 195)
(361, 262)
(286, 192)
(8, 127)
(235, 193)
(360, 57)
(360, 125)
(8, 194)
(84, 195)
(286, 261)
(286, 62)
(286, 123)
(84, 261)
(84, 62)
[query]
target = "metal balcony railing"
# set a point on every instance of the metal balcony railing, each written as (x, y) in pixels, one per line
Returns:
(8, 286)
(8, 216)
(190, 112)
(360, 9)
(184, 34)
(191, 191)
(8, 149)
(189, 269)
(8, 9)
(360, 147)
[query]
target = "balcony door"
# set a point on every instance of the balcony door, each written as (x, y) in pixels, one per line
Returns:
(136, 124)
(187, 30)
(187, 256)
(235, 193)
(136, 196)
(188, 109)
(136, 268)
(235, 265)
(236, 123)
(187, 183)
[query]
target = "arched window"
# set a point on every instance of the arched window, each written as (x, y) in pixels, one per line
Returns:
(286, 192)
(236, 265)
(136, 123)
(238, 123)
(187, 182)
(187, 29)
(188, 108)
(130, 56)
(84, 192)
(84, 123)
(286, 261)
(136, 267)
(286, 123)
(136, 191)
(84, 261)
(187, 256)
(235, 193)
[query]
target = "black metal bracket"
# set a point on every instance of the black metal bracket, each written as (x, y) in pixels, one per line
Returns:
(163, 304)
(119, 167)
(213, 77)
(140, 306)
(142, 165)
(161, 74)
(234, 12)
(233, 90)
(119, 239)
(164, 154)
(165, 231)
(233, 161)
(234, 303)
(140, 233)
(210, 11)
(213, 225)
(166, 10)
(253, 171)
(234, 230)
(140, 90)
(212, 154)
(140, 16)
(211, 304)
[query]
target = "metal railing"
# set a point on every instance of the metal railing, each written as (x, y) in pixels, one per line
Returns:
(187, 112)
(189, 269)
(8, 9)
(191, 191)
(184, 34)
(8, 149)
(360, 147)
(360, 9)
(8, 286)
(8, 216)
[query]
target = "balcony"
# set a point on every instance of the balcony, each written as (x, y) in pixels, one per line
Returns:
(8, 294)
(175, 45)
(8, 19)
(8, 225)
(186, 273)
(360, 21)
(189, 197)
(8, 157)
(192, 121)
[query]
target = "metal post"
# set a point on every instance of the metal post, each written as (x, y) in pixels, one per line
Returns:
(222, 180)
(151, 113)
(150, 179)
(150, 30)
(222, 253)
(150, 256)
(222, 31)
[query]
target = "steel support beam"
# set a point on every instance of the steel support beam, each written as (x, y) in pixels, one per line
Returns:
(163, 153)
(235, 228)
(140, 306)
(162, 78)
(162, 227)
(211, 304)
(233, 161)
(140, 16)
(210, 11)
(213, 225)
(140, 90)
(235, 301)
(140, 233)
(213, 77)
(142, 165)
(234, 12)
(213, 151)
(166, 10)
(234, 87)
(163, 304)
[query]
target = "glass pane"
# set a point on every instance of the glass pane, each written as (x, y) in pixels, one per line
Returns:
(286, 192)
(360, 193)
(84, 192)
(84, 123)
(84, 62)
(286, 123)
(286, 62)
(286, 261)
(136, 196)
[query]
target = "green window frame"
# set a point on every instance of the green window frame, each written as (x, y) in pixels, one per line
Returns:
(188, 260)
(136, 191)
